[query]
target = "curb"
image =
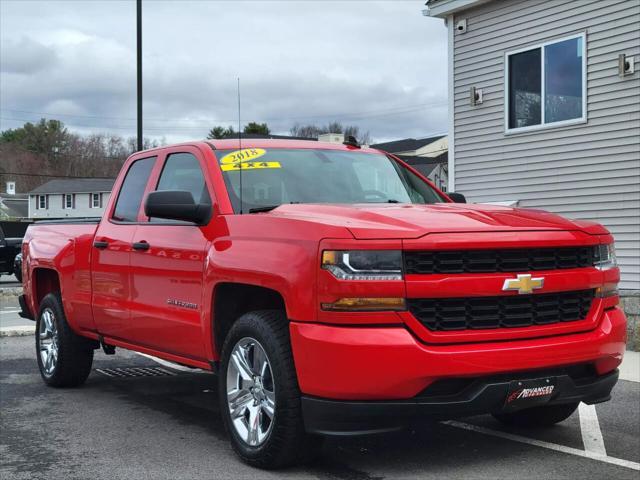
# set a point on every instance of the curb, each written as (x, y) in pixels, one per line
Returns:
(10, 292)
(21, 331)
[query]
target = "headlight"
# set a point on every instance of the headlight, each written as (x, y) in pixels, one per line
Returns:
(605, 257)
(363, 264)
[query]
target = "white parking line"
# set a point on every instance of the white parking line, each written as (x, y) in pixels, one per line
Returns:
(174, 366)
(551, 446)
(590, 429)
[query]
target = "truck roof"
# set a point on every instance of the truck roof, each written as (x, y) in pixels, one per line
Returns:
(234, 143)
(278, 143)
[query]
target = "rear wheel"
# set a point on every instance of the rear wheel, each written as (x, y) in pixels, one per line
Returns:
(64, 358)
(544, 416)
(259, 394)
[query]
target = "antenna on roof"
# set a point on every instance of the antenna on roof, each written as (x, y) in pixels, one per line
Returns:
(240, 145)
(351, 141)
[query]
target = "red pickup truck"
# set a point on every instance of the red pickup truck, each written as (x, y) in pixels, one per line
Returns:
(332, 289)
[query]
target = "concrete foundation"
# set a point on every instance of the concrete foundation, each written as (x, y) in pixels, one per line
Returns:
(630, 302)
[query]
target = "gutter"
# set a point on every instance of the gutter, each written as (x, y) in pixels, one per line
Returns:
(444, 8)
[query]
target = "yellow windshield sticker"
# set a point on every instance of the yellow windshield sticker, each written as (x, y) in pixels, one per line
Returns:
(248, 166)
(244, 155)
(245, 159)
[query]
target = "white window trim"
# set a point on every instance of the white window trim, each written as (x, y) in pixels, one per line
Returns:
(68, 196)
(543, 125)
(95, 196)
(40, 206)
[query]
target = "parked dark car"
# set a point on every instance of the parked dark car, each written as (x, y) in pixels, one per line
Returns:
(9, 248)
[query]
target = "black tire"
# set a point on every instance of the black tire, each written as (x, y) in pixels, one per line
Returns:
(74, 353)
(18, 273)
(287, 443)
(544, 416)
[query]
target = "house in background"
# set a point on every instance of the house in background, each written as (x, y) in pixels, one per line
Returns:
(544, 110)
(13, 205)
(427, 155)
(73, 197)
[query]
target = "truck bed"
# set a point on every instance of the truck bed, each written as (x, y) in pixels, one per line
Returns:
(63, 246)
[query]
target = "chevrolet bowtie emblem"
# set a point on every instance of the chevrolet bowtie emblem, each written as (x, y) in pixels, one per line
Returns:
(523, 284)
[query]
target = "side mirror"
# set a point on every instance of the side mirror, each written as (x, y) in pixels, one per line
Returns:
(457, 197)
(176, 205)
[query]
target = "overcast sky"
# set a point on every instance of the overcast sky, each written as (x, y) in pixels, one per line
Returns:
(379, 65)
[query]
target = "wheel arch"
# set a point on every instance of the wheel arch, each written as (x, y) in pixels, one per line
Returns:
(231, 300)
(44, 282)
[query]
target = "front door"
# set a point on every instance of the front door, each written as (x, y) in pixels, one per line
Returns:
(167, 266)
(110, 259)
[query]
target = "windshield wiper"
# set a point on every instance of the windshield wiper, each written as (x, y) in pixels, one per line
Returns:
(393, 200)
(266, 208)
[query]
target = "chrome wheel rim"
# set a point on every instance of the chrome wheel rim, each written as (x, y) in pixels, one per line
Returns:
(251, 395)
(48, 342)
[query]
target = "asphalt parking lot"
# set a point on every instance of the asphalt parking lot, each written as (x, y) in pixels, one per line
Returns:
(9, 308)
(168, 427)
(9, 281)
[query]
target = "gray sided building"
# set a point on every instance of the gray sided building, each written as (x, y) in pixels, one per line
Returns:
(70, 198)
(544, 110)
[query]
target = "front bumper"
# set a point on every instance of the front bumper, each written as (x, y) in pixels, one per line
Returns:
(334, 417)
(343, 367)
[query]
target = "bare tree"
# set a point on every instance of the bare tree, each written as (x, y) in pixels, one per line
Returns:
(314, 131)
(35, 153)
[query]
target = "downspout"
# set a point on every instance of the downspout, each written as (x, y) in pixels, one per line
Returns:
(451, 93)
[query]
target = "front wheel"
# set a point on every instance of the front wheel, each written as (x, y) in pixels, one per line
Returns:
(64, 358)
(543, 416)
(259, 394)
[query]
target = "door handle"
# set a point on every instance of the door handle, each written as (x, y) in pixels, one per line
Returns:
(101, 244)
(141, 245)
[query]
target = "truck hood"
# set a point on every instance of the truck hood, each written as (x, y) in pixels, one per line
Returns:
(394, 221)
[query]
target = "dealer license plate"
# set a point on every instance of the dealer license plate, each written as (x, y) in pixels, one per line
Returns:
(530, 393)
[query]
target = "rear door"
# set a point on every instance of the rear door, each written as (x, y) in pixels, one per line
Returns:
(167, 265)
(110, 261)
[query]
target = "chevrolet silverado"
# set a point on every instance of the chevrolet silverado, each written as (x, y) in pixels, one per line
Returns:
(332, 289)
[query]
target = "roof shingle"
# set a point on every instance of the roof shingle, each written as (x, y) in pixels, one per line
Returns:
(406, 144)
(75, 185)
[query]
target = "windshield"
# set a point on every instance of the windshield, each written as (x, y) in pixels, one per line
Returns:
(272, 177)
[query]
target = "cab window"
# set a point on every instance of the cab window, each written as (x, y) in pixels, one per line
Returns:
(132, 190)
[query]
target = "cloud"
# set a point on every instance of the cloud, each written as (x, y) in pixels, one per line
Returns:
(379, 65)
(25, 56)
